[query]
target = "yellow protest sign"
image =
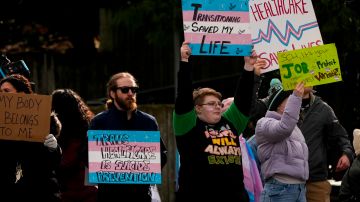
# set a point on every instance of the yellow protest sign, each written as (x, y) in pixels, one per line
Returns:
(315, 66)
(24, 116)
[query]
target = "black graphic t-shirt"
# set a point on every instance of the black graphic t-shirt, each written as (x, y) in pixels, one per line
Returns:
(210, 155)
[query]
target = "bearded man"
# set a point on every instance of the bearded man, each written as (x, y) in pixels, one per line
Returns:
(122, 114)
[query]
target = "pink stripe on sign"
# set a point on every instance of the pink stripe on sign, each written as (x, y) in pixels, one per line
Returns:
(93, 147)
(197, 38)
(138, 167)
(244, 16)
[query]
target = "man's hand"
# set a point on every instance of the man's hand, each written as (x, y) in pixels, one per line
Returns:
(343, 163)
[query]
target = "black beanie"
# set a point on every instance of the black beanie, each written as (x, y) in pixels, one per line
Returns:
(277, 98)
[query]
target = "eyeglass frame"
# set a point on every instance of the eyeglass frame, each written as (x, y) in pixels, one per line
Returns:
(213, 104)
(125, 89)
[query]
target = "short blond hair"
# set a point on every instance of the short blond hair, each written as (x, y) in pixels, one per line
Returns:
(200, 93)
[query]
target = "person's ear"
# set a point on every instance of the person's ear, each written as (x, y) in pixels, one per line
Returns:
(198, 109)
(112, 94)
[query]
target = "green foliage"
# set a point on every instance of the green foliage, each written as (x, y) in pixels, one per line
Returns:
(156, 18)
(339, 23)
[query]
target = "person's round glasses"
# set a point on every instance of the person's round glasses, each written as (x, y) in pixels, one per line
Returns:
(213, 104)
(125, 89)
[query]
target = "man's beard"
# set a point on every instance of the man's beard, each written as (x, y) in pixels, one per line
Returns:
(128, 104)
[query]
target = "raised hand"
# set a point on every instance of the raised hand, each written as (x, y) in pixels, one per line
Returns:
(185, 51)
(299, 89)
(259, 64)
(250, 61)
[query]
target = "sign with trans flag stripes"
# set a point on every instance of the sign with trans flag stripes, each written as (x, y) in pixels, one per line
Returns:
(124, 157)
(217, 27)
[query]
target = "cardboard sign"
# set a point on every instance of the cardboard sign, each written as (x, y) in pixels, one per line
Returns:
(124, 157)
(280, 26)
(218, 27)
(24, 116)
(315, 66)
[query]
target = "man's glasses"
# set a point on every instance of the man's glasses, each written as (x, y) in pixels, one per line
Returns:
(213, 104)
(126, 89)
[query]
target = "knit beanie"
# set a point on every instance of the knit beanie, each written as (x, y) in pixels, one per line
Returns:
(277, 98)
(275, 85)
(356, 141)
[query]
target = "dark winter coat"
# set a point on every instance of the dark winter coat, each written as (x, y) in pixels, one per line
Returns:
(350, 185)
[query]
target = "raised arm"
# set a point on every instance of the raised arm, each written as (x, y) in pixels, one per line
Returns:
(184, 100)
(258, 107)
(272, 130)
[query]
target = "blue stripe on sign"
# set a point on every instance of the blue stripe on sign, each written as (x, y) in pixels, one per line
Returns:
(2, 74)
(104, 177)
(118, 135)
(216, 5)
(228, 50)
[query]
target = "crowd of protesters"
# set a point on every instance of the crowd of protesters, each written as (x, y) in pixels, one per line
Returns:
(290, 133)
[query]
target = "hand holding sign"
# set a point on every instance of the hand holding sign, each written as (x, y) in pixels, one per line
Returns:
(254, 63)
(185, 51)
(250, 61)
(50, 142)
(299, 89)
